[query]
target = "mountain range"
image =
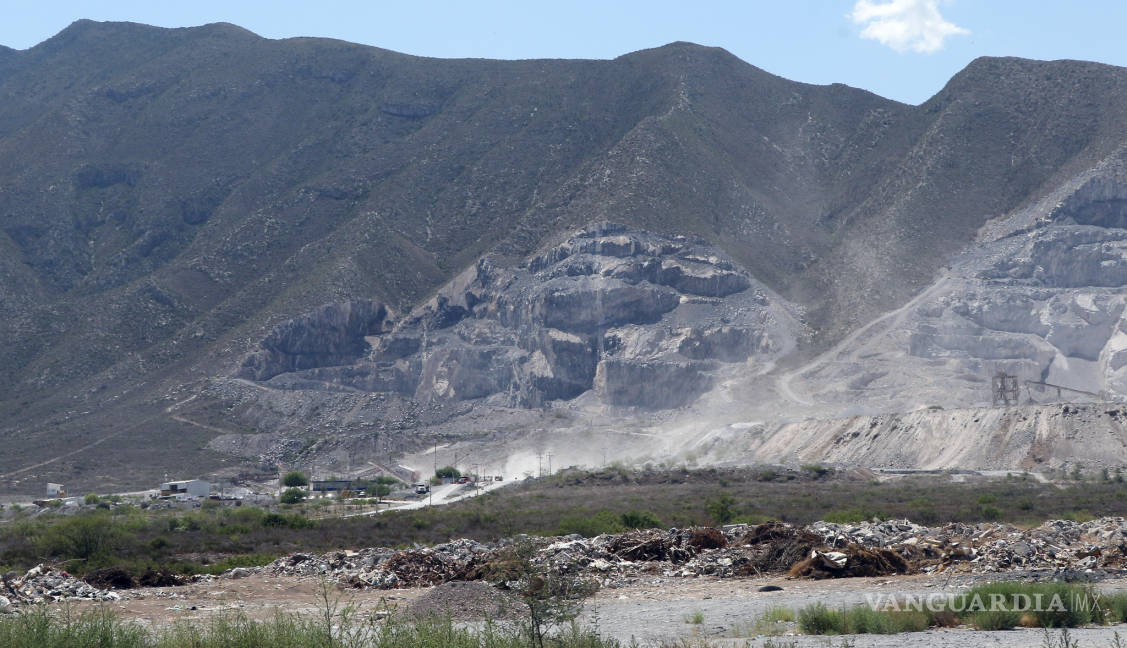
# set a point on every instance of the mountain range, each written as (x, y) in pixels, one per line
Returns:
(206, 235)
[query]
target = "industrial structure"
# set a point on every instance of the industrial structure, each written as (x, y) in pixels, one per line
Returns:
(186, 488)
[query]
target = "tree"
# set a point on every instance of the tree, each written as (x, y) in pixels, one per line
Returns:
(448, 472)
(379, 491)
(292, 496)
(549, 595)
(295, 480)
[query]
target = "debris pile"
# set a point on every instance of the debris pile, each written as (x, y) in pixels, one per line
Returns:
(44, 585)
(381, 568)
(819, 550)
(991, 547)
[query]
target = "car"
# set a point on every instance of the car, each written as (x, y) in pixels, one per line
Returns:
(463, 480)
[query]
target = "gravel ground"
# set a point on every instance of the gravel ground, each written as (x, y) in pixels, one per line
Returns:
(649, 612)
(465, 601)
(659, 609)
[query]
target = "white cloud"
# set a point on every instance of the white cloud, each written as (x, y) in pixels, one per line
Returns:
(905, 25)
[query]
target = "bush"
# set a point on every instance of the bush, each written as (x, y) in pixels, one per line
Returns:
(286, 521)
(379, 491)
(774, 621)
(589, 526)
(295, 479)
(722, 509)
(1064, 605)
(91, 499)
(1115, 606)
(816, 471)
(820, 620)
(447, 472)
(848, 516)
(292, 496)
(88, 536)
(640, 520)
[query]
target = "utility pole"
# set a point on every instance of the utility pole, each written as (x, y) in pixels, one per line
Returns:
(549, 464)
(436, 458)
(539, 465)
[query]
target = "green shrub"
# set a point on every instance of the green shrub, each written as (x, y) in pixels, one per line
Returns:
(286, 521)
(86, 536)
(292, 496)
(774, 621)
(244, 560)
(590, 525)
(865, 620)
(816, 471)
(848, 516)
(817, 619)
(722, 509)
(295, 479)
(1115, 607)
(1062, 605)
(447, 472)
(91, 499)
(640, 520)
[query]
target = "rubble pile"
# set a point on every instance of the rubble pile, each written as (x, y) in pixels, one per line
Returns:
(819, 550)
(44, 585)
(853, 561)
(381, 568)
(991, 547)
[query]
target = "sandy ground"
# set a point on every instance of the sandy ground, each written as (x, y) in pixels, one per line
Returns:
(650, 611)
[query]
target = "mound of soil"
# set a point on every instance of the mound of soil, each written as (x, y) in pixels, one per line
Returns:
(159, 578)
(467, 601)
(110, 578)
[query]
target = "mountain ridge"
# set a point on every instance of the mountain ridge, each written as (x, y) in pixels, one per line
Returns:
(172, 195)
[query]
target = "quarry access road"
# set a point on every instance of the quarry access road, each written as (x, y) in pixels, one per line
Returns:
(440, 495)
(849, 344)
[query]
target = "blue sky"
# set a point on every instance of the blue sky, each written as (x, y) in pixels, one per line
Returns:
(901, 49)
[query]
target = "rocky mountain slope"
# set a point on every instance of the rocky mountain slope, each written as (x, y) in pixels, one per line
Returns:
(206, 233)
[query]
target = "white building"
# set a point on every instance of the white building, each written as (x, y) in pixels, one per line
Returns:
(191, 487)
(55, 490)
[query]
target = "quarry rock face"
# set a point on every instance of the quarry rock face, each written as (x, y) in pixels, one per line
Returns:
(637, 319)
(1041, 297)
(333, 334)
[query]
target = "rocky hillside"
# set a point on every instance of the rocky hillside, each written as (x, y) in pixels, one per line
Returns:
(637, 319)
(172, 198)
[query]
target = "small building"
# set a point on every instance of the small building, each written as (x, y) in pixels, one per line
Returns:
(55, 490)
(332, 485)
(191, 488)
